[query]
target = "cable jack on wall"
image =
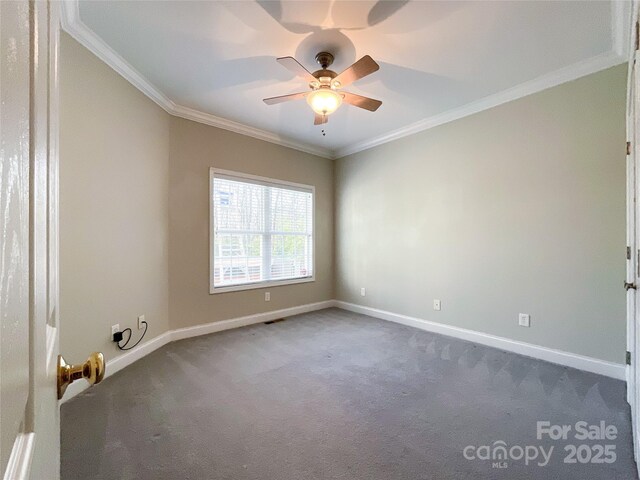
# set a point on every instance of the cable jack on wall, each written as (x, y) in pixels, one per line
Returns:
(118, 336)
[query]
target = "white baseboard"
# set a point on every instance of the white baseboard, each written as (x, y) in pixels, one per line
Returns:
(75, 388)
(116, 364)
(127, 358)
(213, 327)
(589, 364)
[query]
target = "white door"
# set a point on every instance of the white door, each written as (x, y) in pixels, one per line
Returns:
(29, 372)
(632, 282)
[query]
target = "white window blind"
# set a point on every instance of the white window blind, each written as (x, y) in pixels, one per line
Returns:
(262, 231)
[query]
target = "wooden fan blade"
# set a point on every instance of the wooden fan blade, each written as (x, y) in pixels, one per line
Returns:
(320, 119)
(363, 67)
(294, 66)
(360, 101)
(284, 98)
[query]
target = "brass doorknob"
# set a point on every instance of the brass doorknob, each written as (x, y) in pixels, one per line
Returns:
(92, 370)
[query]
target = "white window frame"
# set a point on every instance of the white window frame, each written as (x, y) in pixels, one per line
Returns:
(213, 172)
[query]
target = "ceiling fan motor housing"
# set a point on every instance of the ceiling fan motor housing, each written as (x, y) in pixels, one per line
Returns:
(324, 75)
(325, 59)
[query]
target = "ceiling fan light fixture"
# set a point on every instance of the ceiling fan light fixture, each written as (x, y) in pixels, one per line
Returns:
(324, 101)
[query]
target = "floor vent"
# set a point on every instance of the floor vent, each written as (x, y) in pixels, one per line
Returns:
(274, 321)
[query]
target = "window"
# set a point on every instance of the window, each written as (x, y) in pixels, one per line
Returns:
(261, 232)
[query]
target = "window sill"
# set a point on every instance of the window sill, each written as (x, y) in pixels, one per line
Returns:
(253, 286)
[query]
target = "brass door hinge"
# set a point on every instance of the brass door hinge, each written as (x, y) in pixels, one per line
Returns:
(628, 358)
(628, 148)
(628, 253)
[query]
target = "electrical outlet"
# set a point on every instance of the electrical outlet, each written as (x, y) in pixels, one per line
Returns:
(436, 305)
(524, 320)
(267, 296)
(141, 322)
(363, 292)
(115, 329)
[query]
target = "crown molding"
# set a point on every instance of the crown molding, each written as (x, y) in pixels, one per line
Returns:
(208, 119)
(563, 75)
(620, 41)
(619, 53)
(73, 25)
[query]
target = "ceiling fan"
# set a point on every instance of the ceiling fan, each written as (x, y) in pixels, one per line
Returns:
(326, 95)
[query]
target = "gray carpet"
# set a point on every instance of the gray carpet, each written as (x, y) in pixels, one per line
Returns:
(336, 395)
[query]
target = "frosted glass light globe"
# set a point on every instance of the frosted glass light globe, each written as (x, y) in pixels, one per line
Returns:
(324, 101)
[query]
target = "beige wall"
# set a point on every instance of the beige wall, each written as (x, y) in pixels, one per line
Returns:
(195, 148)
(516, 209)
(520, 208)
(127, 167)
(114, 213)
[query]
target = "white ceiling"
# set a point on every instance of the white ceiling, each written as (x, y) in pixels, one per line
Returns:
(215, 61)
